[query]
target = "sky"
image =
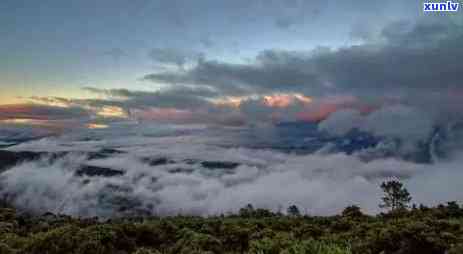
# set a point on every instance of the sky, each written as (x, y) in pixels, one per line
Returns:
(89, 63)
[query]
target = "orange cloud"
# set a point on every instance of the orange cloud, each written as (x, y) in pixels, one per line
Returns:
(112, 111)
(284, 100)
(230, 101)
(281, 100)
(322, 109)
(317, 114)
(97, 126)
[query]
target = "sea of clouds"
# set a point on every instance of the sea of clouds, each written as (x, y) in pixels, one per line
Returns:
(319, 183)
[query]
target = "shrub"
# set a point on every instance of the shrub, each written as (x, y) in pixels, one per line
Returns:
(190, 240)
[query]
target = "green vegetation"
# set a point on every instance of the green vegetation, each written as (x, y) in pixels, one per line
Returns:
(419, 230)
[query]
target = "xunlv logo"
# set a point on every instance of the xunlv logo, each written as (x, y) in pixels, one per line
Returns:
(447, 6)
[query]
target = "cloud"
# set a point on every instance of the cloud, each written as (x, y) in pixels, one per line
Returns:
(175, 103)
(191, 104)
(404, 80)
(40, 112)
(19, 122)
(406, 64)
(13, 133)
(393, 121)
(341, 122)
(240, 79)
(202, 104)
(180, 97)
(398, 65)
(318, 184)
(404, 131)
(400, 122)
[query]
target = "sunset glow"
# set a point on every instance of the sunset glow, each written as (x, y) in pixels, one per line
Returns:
(112, 111)
(97, 126)
(22, 121)
(284, 100)
(272, 100)
(230, 101)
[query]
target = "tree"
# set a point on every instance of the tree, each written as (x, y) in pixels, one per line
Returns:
(352, 211)
(453, 209)
(396, 196)
(293, 210)
(247, 211)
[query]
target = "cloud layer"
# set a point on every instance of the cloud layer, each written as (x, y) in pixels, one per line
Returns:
(411, 64)
(407, 58)
(190, 171)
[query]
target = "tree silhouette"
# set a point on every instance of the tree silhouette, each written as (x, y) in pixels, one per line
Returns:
(247, 211)
(352, 211)
(396, 196)
(293, 210)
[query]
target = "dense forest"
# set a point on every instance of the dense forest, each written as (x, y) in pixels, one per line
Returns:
(400, 230)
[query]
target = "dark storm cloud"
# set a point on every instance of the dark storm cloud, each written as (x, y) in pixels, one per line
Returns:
(424, 57)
